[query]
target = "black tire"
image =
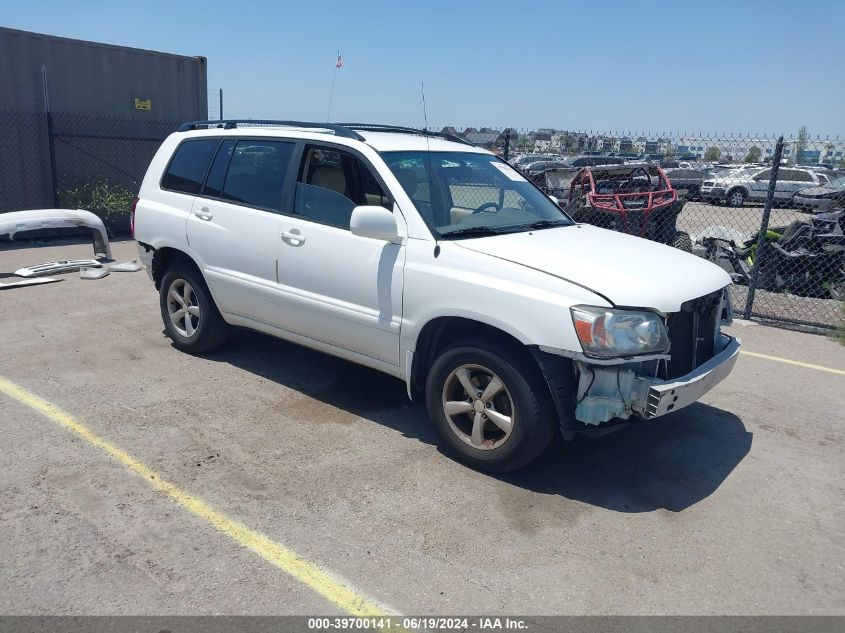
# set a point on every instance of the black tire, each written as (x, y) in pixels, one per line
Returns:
(682, 241)
(837, 287)
(210, 330)
(533, 416)
(736, 197)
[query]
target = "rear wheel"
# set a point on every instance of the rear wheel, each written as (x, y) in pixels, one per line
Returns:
(736, 198)
(490, 405)
(190, 317)
(682, 241)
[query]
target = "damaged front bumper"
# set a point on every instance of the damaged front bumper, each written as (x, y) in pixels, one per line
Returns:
(607, 392)
(31, 220)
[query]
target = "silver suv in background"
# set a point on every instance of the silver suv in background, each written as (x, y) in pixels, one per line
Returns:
(736, 186)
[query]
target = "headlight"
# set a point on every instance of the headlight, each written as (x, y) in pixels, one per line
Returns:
(606, 332)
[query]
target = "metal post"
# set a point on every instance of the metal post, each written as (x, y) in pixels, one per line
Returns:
(764, 227)
(221, 104)
(507, 150)
(51, 144)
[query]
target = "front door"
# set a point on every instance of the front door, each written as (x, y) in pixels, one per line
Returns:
(341, 289)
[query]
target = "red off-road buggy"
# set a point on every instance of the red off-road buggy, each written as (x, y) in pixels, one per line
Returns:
(635, 198)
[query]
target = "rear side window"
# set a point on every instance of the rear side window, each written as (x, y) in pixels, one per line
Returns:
(188, 166)
(256, 173)
(217, 173)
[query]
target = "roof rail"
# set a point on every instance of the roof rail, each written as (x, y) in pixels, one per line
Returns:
(228, 124)
(398, 129)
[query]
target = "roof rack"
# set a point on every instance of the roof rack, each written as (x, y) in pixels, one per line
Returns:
(346, 130)
(228, 124)
(398, 129)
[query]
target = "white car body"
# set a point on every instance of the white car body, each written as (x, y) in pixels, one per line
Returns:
(370, 300)
(753, 184)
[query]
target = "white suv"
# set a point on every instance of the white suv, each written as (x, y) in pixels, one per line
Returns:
(434, 261)
(735, 186)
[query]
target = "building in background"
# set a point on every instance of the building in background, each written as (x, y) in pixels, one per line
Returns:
(109, 108)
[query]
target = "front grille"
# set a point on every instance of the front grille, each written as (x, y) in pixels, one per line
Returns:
(692, 334)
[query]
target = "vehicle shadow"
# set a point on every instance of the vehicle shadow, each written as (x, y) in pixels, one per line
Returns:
(670, 464)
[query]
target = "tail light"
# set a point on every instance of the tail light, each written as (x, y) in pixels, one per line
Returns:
(132, 216)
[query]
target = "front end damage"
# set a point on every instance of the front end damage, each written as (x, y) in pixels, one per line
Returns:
(608, 392)
(646, 387)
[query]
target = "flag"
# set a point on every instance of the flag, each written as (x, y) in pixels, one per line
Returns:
(339, 62)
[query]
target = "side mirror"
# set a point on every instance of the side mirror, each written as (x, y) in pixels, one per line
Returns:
(555, 200)
(374, 222)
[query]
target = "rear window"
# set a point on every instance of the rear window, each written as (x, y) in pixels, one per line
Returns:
(188, 166)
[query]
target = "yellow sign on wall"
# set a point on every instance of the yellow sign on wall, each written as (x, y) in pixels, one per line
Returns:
(143, 104)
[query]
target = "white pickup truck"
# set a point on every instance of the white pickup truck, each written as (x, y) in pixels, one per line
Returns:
(422, 256)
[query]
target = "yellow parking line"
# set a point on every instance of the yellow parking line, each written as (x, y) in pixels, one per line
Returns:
(333, 589)
(794, 362)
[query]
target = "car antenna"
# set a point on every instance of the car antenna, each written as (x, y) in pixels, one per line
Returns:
(428, 155)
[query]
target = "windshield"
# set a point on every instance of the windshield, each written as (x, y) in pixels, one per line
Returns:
(462, 193)
(837, 183)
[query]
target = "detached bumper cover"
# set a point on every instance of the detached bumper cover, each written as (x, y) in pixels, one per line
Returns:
(664, 397)
(19, 221)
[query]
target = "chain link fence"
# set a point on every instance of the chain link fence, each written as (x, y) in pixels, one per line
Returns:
(770, 213)
(62, 160)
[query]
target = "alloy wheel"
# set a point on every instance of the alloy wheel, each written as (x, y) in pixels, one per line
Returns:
(183, 307)
(478, 407)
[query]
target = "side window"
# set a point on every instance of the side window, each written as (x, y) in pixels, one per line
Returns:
(256, 173)
(766, 174)
(332, 183)
(803, 176)
(187, 168)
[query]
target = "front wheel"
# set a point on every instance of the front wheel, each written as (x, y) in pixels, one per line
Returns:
(490, 405)
(736, 198)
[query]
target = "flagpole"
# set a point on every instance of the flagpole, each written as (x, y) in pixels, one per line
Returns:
(331, 94)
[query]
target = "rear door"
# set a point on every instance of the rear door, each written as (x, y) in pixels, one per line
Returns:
(235, 223)
(790, 181)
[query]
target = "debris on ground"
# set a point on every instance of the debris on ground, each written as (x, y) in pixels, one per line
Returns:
(57, 267)
(33, 281)
(126, 267)
(93, 273)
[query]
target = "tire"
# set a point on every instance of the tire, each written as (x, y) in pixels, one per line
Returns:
(196, 331)
(682, 241)
(837, 288)
(736, 197)
(524, 399)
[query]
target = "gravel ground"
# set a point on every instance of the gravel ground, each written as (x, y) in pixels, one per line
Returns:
(734, 505)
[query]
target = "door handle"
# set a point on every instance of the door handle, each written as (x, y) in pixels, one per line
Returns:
(293, 237)
(204, 214)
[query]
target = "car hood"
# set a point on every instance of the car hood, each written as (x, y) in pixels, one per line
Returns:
(626, 270)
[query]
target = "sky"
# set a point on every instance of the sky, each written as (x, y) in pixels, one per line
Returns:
(613, 66)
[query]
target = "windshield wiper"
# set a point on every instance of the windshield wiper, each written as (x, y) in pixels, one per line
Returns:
(541, 224)
(482, 230)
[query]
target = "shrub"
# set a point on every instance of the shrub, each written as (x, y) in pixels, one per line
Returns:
(107, 199)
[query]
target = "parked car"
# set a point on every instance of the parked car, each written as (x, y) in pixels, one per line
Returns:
(822, 198)
(540, 165)
(524, 160)
(435, 262)
(589, 161)
(735, 186)
(634, 199)
(686, 181)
